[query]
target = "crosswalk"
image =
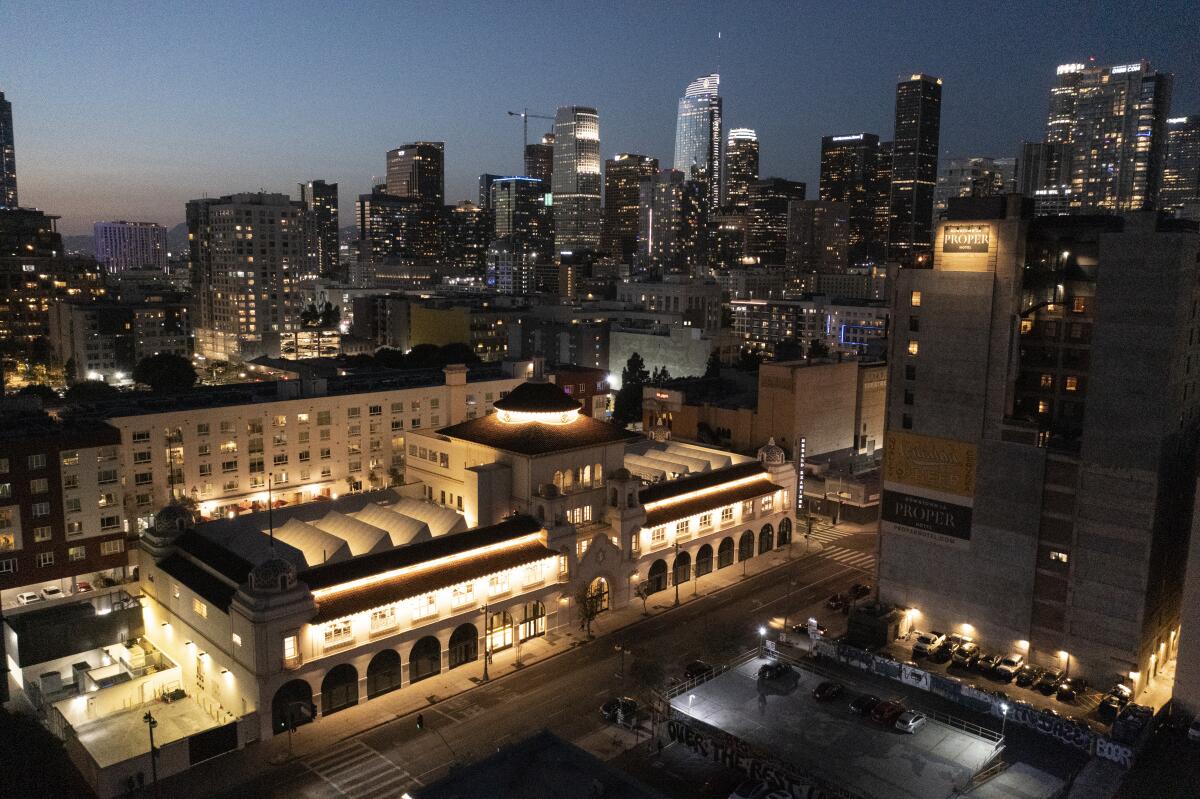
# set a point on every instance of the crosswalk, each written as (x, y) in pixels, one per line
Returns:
(824, 532)
(854, 558)
(355, 770)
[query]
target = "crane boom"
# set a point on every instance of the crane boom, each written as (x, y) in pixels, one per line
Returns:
(525, 114)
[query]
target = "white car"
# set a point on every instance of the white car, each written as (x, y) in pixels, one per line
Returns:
(52, 592)
(1007, 668)
(28, 598)
(910, 721)
(927, 643)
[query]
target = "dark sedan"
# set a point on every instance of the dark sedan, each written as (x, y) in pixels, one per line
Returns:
(697, 669)
(1048, 683)
(827, 690)
(886, 713)
(1071, 689)
(1028, 674)
(864, 704)
(775, 671)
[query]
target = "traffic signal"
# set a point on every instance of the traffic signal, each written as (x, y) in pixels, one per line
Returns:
(420, 722)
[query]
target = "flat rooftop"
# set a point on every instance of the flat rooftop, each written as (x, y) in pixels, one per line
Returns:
(122, 736)
(828, 740)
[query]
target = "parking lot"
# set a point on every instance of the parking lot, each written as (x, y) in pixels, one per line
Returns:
(783, 721)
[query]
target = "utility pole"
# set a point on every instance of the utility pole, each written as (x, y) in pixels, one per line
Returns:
(151, 724)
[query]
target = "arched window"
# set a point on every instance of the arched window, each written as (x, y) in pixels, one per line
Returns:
(704, 560)
(568, 479)
(766, 539)
(785, 531)
(725, 553)
(658, 576)
(598, 474)
(339, 689)
(746, 546)
(425, 659)
(558, 481)
(383, 673)
(292, 706)
(464, 645)
(586, 479)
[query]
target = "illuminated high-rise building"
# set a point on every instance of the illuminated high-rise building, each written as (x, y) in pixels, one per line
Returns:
(698, 135)
(539, 159)
(1113, 120)
(817, 237)
(321, 219)
(1181, 168)
(914, 167)
(672, 217)
(766, 234)
(418, 170)
(576, 179)
(8, 162)
(851, 175)
(622, 192)
(972, 176)
(883, 200)
(520, 212)
(122, 246)
(741, 168)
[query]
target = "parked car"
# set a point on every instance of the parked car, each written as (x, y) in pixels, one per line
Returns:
(910, 721)
(1109, 707)
(946, 651)
(27, 598)
(927, 642)
(986, 664)
(619, 709)
(776, 670)
(697, 669)
(966, 654)
(806, 629)
(858, 591)
(82, 587)
(1028, 674)
(1008, 666)
(1049, 681)
(837, 602)
(52, 592)
(887, 712)
(863, 704)
(1071, 689)
(827, 690)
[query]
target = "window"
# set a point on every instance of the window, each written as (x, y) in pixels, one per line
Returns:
(914, 346)
(3, 465)
(70, 458)
(533, 574)
(69, 481)
(705, 520)
(254, 427)
(498, 584)
(237, 640)
(302, 437)
(43, 559)
(915, 299)
(748, 509)
(147, 478)
(424, 607)
(110, 522)
(202, 429)
(768, 502)
(338, 633)
(72, 505)
(291, 648)
(375, 410)
(37, 461)
(914, 324)
(40, 509)
(141, 457)
(199, 608)
(106, 476)
(141, 436)
(463, 594)
(226, 467)
(434, 404)
(112, 547)
(205, 469)
(908, 396)
(727, 513)
(910, 372)
(1043, 406)
(280, 459)
(41, 534)
(227, 427)
(6, 490)
(325, 453)
(906, 422)
(383, 619)
(8, 566)
(1079, 305)
(1072, 384)
(76, 553)
(1047, 381)
(353, 413)
(74, 528)
(681, 528)
(302, 418)
(144, 499)
(1058, 557)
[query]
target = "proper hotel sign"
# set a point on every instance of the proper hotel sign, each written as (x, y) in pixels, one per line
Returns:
(928, 487)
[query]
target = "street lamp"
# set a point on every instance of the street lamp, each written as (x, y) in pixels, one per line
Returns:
(762, 635)
(1004, 720)
(151, 723)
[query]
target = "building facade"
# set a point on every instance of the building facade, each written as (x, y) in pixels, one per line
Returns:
(539, 159)
(698, 139)
(850, 174)
(767, 225)
(841, 325)
(1181, 168)
(914, 167)
(8, 157)
(622, 195)
(741, 169)
(121, 246)
(818, 237)
(320, 201)
(418, 170)
(105, 340)
(576, 179)
(973, 176)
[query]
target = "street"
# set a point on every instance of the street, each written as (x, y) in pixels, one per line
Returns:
(562, 694)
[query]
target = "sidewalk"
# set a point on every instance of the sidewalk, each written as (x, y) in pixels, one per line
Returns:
(229, 770)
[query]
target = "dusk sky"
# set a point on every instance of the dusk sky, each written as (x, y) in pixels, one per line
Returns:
(128, 111)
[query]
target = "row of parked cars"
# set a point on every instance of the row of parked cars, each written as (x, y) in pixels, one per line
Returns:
(890, 712)
(51, 592)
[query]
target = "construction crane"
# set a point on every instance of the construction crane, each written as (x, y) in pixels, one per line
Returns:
(524, 114)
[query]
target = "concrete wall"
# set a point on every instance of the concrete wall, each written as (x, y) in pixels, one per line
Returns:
(684, 352)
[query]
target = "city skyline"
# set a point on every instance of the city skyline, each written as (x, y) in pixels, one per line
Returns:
(152, 144)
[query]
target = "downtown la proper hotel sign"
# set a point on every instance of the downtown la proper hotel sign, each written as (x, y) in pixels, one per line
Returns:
(928, 487)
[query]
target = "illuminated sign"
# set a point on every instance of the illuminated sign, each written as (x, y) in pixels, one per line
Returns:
(1177, 120)
(1125, 68)
(855, 137)
(928, 487)
(1066, 69)
(966, 238)
(661, 395)
(925, 517)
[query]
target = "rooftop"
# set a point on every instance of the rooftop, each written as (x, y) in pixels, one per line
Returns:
(537, 438)
(535, 397)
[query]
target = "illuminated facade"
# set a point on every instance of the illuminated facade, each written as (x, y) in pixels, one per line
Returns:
(418, 171)
(1181, 169)
(121, 246)
(576, 179)
(671, 224)
(320, 201)
(850, 174)
(519, 208)
(741, 168)
(698, 139)
(914, 167)
(842, 325)
(539, 159)
(766, 232)
(8, 158)
(622, 192)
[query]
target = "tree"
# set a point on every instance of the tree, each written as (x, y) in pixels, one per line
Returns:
(47, 395)
(817, 349)
(589, 603)
(90, 391)
(790, 349)
(642, 592)
(330, 315)
(390, 358)
(749, 359)
(660, 377)
(713, 368)
(165, 372)
(628, 405)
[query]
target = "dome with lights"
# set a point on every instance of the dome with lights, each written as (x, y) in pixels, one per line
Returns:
(540, 402)
(771, 454)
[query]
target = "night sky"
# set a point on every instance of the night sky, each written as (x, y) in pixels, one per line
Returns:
(127, 111)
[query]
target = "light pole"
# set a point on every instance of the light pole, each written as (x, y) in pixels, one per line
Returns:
(621, 651)
(762, 635)
(675, 576)
(151, 724)
(1004, 718)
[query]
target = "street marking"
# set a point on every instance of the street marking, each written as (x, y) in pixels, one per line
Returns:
(863, 561)
(356, 770)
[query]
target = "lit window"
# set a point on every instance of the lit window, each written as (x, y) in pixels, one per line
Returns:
(76, 553)
(498, 584)
(1026, 325)
(1059, 557)
(1072, 384)
(383, 619)
(237, 640)
(915, 299)
(1047, 381)
(463, 594)
(1079, 305)
(1043, 406)
(914, 346)
(199, 608)
(424, 607)
(290, 648)
(337, 633)
(114, 547)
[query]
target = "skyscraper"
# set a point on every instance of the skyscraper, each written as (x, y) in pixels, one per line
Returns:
(698, 136)
(8, 162)
(622, 192)
(485, 189)
(1113, 119)
(248, 266)
(883, 200)
(1042, 174)
(576, 178)
(972, 176)
(121, 246)
(766, 234)
(468, 233)
(539, 159)
(671, 223)
(418, 170)
(817, 236)
(321, 224)
(1181, 169)
(850, 175)
(741, 168)
(914, 166)
(520, 212)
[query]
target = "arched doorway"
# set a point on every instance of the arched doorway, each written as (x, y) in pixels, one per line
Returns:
(785, 532)
(766, 539)
(746, 546)
(339, 689)
(500, 631)
(600, 586)
(464, 645)
(425, 659)
(383, 673)
(291, 706)
(533, 622)
(704, 563)
(725, 553)
(681, 572)
(657, 579)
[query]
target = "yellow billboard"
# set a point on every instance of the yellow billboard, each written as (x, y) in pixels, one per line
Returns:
(935, 464)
